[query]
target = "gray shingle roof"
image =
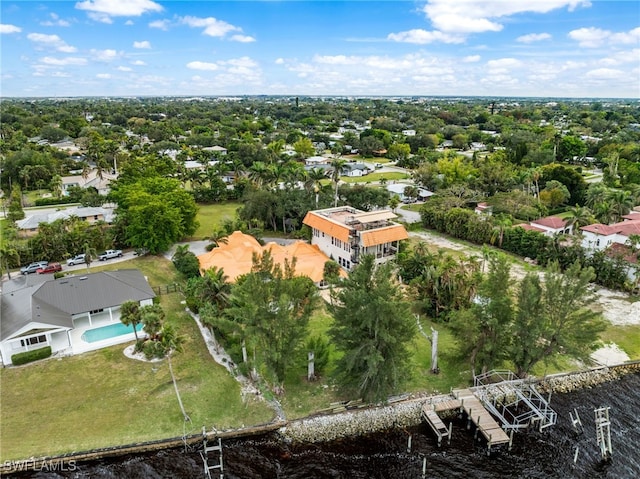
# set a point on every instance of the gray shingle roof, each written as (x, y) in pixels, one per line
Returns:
(55, 301)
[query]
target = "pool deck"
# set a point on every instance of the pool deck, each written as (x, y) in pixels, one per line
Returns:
(79, 345)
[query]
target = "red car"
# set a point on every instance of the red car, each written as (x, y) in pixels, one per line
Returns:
(50, 268)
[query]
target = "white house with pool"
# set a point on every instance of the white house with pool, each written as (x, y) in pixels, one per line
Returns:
(72, 314)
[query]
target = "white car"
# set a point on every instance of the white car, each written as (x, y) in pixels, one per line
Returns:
(77, 259)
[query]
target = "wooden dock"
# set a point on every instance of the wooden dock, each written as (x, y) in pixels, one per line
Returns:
(481, 418)
(439, 428)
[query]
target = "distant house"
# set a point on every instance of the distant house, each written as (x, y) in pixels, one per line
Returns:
(216, 150)
(91, 181)
(345, 234)
(552, 225)
(483, 208)
(317, 160)
(354, 169)
(68, 313)
(409, 132)
(91, 214)
(398, 190)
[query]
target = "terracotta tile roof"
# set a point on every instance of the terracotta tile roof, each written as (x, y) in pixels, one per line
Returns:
(624, 228)
(617, 249)
(235, 257)
(554, 222)
(528, 227)
(383, 235)
(327, 226)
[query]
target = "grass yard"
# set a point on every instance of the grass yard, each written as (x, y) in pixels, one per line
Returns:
(103, 398)
(211, 217)
(626, 337)
(371, 177)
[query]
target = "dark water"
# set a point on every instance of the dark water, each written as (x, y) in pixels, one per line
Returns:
(534, 455)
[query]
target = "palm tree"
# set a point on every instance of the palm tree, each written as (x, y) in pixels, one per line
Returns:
(8, 255)
(56, 186)
(604, 212)
(500, 224)
(596, 193)
(336, 164)
(130, 315)
(314, 181)
(89, 254)
(579, 216)
(259, 173)
(171, 342)
(621, 202)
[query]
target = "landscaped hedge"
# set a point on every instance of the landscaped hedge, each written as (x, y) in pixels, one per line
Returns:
(30, 356)
(54, 201)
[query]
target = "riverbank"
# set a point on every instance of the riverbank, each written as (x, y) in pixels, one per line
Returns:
(319, 429)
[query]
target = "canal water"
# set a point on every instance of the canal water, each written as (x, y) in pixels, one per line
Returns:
(549, 454)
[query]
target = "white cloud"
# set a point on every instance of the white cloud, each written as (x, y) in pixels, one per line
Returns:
(422, 37)
(533, 37)
(242, 38)
(53, 41)
(143, 44)
(6, 28)
(124, 69)
(63, 61)
(279, 61)
(605, 74)
(202, 66)
(104, 76)
(55, 21)
(104, 55)
(589, 37)
(129, 22)
(471, 59)
(160, 24)
(475, 16)
(119, 8)
(212, 26)
(138, 62)
(503, 65)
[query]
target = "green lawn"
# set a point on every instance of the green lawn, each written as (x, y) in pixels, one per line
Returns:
(102, 398)
(371, 177)
(211, 216)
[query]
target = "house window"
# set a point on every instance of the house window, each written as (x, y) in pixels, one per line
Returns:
(33, 340)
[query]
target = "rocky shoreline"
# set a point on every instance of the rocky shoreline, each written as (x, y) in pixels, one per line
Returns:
(325, 428)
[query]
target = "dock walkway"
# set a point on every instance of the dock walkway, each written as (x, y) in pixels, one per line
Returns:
(481, 418)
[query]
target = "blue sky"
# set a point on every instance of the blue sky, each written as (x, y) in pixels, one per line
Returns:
(542, 48)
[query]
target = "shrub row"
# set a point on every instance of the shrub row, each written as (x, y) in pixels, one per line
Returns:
(54, 201)
(30, 356)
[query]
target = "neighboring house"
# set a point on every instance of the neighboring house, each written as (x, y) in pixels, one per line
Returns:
(235, 253)
(92, 180)
(600, 237)
(91, 214)
(483, 208)
(39, 311)
(345, 234)
(354, 169)
(409, 132)
(317, 160)
(398, 190)
(552, 225)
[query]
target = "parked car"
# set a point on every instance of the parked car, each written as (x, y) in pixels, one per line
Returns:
(33, 267)
(77, 259)
(50, 268)
(109, 254)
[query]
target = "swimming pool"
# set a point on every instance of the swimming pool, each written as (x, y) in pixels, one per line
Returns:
(108, 332)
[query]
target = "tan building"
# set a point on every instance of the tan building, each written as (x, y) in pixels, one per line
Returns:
(345, 234)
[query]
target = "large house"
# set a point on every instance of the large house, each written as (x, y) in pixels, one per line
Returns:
(91, 214)
(345, 234)
(235, 256)
(72, 314)
(600, 237)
